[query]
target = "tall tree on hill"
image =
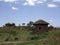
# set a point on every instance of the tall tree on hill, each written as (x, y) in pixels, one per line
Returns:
(30, 24)
(23, 24)
(9, 24)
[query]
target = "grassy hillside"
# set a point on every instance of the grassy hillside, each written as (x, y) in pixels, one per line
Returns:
(13, 34)
(18, 34)
(23, 34)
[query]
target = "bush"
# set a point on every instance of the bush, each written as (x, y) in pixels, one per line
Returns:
(6, 39)
(0, 34)
(34, 38)
(16, 38)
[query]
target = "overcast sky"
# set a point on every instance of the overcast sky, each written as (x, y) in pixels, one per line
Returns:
(23, 11)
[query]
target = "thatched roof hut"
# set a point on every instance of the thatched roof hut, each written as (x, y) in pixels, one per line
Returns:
(40, 26)
(41, 22)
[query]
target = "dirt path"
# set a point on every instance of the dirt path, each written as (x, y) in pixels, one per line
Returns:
(13, 42)
(16, 42)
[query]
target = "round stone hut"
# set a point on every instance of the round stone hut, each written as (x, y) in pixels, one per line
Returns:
(40, 26)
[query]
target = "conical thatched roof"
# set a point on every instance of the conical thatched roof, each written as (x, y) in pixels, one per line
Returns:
(41, 22)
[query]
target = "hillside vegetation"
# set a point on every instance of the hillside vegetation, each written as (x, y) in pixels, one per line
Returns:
(24, 34)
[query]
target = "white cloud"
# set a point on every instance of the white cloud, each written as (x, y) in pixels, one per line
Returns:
(33, 2)
(30, 2)
(52, 5)
(39, 2)
(25, 3)
(56, 0)
(10, 1)
(14, 8)
(51, 20)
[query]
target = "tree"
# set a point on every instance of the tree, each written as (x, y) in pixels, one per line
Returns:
(30, 24)
(13, 24)
(23, 24)
(9, 24)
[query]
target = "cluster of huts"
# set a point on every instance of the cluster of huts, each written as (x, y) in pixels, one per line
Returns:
(40, 26)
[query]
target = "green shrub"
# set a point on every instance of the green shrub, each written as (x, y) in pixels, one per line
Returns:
(6, 39)
(16, 38)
